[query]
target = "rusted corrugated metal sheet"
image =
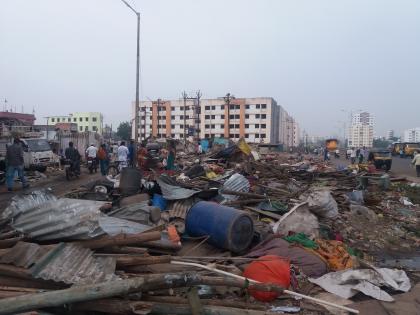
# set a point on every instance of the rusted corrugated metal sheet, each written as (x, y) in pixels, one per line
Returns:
(179, 208)
(24, 254)
(65, 262)
(236, 182)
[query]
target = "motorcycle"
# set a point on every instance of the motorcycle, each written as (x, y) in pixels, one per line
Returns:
(92, 165)
(71, 171)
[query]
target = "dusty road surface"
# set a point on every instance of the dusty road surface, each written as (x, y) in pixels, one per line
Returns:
(400, 166)
(55, 180)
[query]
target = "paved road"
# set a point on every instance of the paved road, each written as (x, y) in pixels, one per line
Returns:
(56, 181)
(400, 166)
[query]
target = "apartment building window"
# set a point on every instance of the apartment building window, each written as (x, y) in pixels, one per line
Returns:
(68, 119)
(246, 106)
(143, 109)
(263, 126)
(207, 108)
(172, 108)
(222, 106)
(74, 119)
(222, 116)
(246, 125)
(172, 135)
(187, 116)
(213, 108)
(237, 116)
(172, 126)
(263, 116)
(231, 126)
(231, 107)
(206, 135)
(181, 117)
(213, 116)
(187, 108)
(236, 126)
(207, 117)
(257, 125)
(181, 126)
(237, 106)
(86, 128)
(257, 135)
(231, 116)
(207, 126)
(231, 135)
(80, 119)
(263, 135)
(181, 135)
(257, 106)
(257, 115)
(172, 117)
(52, 119)
(222, 126)
(212, 126)
(246, 136)
(94, 128)
(81, 128)
(246, 115)
(263, 106)
(58, 119)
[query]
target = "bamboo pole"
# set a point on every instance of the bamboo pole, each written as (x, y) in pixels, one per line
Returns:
(319, 301)
(121, 239)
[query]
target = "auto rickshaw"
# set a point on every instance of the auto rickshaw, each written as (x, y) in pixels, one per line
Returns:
(381, 158)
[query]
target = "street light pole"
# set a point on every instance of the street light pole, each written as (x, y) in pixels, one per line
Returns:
(136, 115)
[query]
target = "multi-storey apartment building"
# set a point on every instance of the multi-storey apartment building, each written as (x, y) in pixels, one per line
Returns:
(255, 119)
(412, 135)
(361, 130)
(88, 121)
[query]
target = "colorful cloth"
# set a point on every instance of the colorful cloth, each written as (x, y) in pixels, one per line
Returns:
(302, 239)
(335, 254)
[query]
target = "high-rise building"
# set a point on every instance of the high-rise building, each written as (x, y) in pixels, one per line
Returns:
(258, 120)
(390, 134)
(87, 121)
(412, 135)
(361, 130)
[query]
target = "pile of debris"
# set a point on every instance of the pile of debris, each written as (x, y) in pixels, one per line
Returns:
(229, 231)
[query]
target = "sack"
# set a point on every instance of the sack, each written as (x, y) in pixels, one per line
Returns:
(101, 154)
(268, 269)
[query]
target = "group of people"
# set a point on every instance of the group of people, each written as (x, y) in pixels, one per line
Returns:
(104, 154)
(359, 155)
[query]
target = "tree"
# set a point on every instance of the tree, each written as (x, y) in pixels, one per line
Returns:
(381, 143)
(124, 130)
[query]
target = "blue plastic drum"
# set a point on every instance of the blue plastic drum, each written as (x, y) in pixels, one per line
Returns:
(228, 228)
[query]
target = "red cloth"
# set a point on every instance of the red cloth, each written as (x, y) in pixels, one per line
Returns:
(268, 269)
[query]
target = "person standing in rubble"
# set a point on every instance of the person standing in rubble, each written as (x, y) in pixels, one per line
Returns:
(123, 154)
(131, 152)
(103, 157)
(353, 156)
(416, 162)
(14, 157)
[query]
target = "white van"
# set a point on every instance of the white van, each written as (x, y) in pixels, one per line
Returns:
(37, 154)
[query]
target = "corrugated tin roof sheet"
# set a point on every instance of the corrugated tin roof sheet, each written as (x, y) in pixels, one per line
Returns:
(65, 262)
(42, 218)
(236, 182)
(171, 191)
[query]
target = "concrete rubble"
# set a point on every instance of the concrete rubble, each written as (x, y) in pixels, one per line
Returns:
(230, 231)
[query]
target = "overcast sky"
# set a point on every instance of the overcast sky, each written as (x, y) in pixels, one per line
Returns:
(314, 57)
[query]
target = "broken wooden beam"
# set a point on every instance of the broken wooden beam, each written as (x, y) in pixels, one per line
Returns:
(121, 239)
(142, 260)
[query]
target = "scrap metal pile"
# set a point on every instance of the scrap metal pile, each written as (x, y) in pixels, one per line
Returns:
(230, 231)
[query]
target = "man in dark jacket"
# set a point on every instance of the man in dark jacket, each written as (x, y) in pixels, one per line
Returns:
(14, 157)
(73, 155)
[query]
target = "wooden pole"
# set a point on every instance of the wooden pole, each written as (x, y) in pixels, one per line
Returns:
(139, 260)
(121, 239)
(319, 301)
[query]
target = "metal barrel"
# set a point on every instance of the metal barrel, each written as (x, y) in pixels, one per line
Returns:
(130, 181)
(227, 228)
